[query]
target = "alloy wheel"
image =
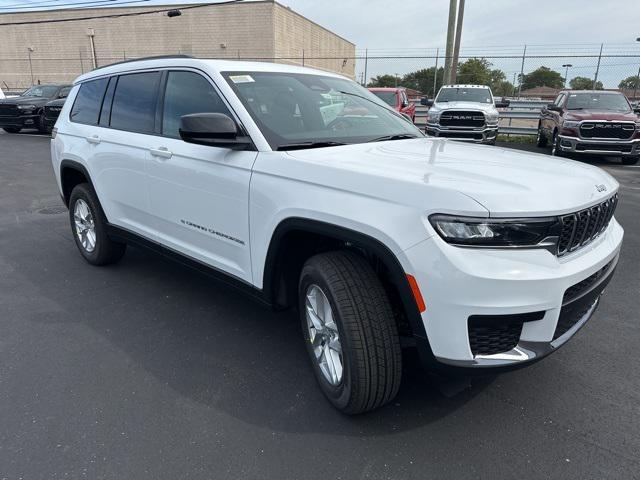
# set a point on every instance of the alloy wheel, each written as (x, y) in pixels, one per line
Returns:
(323, 335)
(85, 226)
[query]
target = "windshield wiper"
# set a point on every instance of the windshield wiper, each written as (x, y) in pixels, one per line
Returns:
(400, 136)
(302, 146)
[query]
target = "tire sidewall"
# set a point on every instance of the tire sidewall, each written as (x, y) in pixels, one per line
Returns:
(81, 193)
(340, 394)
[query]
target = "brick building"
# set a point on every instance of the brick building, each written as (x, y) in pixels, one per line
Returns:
(261, 30)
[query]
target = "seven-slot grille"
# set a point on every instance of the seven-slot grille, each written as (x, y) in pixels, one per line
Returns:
(455, 118)
(613, 130)
(579, 229)
(8, 109)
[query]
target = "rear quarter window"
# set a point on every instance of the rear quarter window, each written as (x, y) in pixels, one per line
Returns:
(134, 102)
(86, 106)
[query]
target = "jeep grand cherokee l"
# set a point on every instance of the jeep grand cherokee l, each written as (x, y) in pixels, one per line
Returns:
(591, 122)
(464, 112)
(27, 110)
(482, 259)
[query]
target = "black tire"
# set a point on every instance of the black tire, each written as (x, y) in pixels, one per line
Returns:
(491, 142)
(106, 251)
(12, 129)
(541, 140)
(556, 151)
(371, 355)
(42, 126)
(630, 160)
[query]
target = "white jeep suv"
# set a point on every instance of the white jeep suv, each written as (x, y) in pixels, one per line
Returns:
(464, 112)
(307, 191)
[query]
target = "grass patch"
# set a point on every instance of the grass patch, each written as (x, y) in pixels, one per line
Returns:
(516, 138)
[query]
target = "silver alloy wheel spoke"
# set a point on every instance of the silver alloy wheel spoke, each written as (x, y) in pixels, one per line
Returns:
(323, 334)
(84, 225)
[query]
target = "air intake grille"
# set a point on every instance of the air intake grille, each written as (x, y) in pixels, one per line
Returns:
(614, 130)
(454, 118)
(581, 228)
(579, 288)
(491, 334)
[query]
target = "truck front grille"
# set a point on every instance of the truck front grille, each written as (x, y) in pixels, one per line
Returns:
(612, 130)
(581, 228)
(469, 119)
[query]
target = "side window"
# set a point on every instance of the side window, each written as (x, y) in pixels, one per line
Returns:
(134, 102)
(404, 99)
(186, 93)
(86, 107)
(64, 92)
(560, 100)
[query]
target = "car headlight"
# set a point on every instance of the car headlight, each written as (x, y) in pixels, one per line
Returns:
(26, 107)
(433, 117)
(488, 232)
(570, 124)
(491, 117)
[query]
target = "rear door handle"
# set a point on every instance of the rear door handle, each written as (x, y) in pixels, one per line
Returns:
(93, 139)
(161, 152)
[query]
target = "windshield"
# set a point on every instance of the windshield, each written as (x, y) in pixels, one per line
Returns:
(459, 94)
(293, 109)
(598, 101)
(41, 91)
(387, 97)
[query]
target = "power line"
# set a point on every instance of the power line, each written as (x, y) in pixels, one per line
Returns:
(118, 15)
(78, 4)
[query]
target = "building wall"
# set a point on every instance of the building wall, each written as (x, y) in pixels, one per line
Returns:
(61, 51)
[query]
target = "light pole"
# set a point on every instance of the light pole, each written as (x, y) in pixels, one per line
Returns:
(566, 72)
(396, 79)
(635, 87)
(30, 50)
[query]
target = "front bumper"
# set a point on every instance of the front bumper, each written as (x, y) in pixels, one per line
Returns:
(21, 121)
(460, 283)
(485, 134)
(570, 144)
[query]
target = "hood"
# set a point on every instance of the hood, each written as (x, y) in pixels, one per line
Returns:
(56, 103)
(505, 182)
(24, 101)
(578, 115)
(485, 107)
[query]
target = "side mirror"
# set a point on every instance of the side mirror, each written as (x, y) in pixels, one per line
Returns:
(405, 104)
(426, 102)
(554, 108)
(503, 104)
(212, 129)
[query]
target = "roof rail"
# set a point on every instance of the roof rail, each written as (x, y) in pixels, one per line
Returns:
(157, 57)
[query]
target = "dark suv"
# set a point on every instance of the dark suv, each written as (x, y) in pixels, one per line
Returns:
(591, 122)
(27, 110)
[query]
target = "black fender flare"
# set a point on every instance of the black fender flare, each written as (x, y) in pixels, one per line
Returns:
(73, 165)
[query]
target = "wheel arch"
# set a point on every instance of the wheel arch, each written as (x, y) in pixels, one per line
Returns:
(72, 173)
(296, 239)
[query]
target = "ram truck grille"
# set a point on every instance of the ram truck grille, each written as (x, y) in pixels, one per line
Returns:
(581, 228)
(469, 119)
(609, 130)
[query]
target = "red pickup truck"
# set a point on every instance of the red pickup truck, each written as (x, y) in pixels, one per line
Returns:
(591, 122)
(397, 99)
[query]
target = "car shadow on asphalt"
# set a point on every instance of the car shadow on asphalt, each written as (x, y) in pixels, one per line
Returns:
(211, 345)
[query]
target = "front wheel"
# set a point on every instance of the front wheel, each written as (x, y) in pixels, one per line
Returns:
(42, 124)
(630, 160)
(349, 330)
(89, 227)
(556, 151)
(541, 139)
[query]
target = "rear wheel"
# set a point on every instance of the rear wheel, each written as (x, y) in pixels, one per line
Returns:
(12, 129)
(89, 227)
(349, 330)
(541, 139)
(630, 160)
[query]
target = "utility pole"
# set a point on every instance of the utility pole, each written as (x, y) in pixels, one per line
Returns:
(566, 73)
(524, 55)
(450, 41)
(366, 59)
(30, 51)
(435, 74)
(91, 33)
(595, 79)
(635, 87)
(456, 47)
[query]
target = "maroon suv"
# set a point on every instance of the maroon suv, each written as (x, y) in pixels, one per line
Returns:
(593, 122)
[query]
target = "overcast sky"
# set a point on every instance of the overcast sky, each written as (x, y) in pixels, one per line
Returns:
(491, 28)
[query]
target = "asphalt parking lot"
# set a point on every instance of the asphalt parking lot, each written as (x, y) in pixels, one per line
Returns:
(150, 370)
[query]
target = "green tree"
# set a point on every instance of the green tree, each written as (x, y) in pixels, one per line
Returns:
(503, 89)
(383, 81)
(478, 71)
(422, 80)
(629, 83)
(584, 83)
(542, 77)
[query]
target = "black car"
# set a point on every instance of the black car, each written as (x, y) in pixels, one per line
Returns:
(52, 112)
(27, 110)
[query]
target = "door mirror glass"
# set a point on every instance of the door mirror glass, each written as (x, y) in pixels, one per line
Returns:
(426, 102)
(554, 108)
(213, 129)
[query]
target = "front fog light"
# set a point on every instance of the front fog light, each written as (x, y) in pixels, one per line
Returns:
(470, 231)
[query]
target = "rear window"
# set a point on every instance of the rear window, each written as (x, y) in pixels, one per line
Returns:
(387, 97)
(134, 102)
(86, 107)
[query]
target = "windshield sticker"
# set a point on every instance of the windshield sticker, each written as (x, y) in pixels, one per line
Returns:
(241, 78)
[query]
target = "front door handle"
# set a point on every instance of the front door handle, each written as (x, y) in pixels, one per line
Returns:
(95, 139)
(161, 152)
